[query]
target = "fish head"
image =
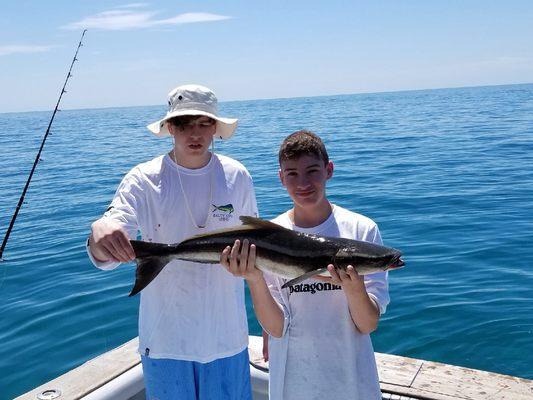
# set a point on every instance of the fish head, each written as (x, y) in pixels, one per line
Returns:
(373, 259)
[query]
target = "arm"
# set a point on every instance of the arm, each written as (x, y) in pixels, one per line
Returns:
(108, 241)
(363, 309)
(367, 296)
(241, 262)
(265, 345)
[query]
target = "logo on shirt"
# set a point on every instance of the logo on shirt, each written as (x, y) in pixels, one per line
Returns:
(228, 208)
(224, 212)
(313, 287)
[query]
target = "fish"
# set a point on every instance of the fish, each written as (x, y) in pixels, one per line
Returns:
(228, 208)
(292, 255)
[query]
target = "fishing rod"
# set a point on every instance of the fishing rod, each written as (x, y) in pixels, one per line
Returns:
(38, 157)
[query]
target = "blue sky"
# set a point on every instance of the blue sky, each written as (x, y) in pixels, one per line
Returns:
(135, 52)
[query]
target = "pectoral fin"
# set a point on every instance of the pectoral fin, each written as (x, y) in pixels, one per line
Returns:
(303, 277)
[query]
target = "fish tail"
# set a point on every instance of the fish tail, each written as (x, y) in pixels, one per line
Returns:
(151, 258)
(147, 269)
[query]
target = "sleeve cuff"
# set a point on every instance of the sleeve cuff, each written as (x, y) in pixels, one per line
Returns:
(100, 264)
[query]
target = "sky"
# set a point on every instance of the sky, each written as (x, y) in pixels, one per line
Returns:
(134, 53)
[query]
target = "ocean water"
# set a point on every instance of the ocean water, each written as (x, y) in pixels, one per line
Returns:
(447, 175)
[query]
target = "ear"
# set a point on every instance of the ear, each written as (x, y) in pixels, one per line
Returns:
(329, 169)
(280, 174)
(171, 128)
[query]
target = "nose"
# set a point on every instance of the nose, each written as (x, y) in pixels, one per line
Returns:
(302, 182)
(195, 131)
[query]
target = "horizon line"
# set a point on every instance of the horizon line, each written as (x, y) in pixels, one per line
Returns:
(277, 98)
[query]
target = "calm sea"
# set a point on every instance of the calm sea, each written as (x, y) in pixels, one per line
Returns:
(447, 175)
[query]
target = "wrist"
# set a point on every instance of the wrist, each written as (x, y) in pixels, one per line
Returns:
(255, 281)
(355, 291)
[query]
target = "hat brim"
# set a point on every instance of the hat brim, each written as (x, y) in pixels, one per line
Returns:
(225, 126)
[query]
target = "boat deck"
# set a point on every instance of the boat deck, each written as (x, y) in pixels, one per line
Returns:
(401, 378)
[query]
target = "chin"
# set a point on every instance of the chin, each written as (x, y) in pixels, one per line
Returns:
(306, 201)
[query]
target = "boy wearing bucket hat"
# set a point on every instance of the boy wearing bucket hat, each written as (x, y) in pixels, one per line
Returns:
(193, 331)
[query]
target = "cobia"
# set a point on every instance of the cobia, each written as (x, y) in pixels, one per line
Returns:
(289, 254)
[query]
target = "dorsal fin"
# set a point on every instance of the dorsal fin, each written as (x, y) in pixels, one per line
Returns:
(221, 230)
(259, 223)
(248, 224)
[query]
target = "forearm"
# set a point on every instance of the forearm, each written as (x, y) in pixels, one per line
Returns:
(363, 310)
(267, 310)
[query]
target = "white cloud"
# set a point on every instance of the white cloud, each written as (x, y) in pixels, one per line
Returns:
(126, 19)
(189, 18)
(134, 5)
(15, 49)
(114, 20)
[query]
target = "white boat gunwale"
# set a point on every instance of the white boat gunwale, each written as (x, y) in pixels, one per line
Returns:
(399, 376)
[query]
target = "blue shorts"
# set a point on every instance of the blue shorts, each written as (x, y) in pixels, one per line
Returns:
(223, 379)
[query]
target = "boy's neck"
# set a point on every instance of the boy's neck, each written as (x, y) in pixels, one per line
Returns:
(190, 162)
(309, 217)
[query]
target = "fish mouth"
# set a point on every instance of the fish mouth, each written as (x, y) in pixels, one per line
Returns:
(396, 262)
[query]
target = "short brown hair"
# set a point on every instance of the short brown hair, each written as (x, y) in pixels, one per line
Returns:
(183, 120)
(302, 143)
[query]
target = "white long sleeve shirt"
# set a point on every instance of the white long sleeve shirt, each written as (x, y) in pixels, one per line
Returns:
(190, 311)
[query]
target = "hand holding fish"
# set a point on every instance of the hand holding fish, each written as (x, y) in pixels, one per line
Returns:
(240, 261)
(109, 242)
(349, 280)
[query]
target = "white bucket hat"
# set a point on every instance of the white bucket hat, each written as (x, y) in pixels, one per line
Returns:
(194, 100)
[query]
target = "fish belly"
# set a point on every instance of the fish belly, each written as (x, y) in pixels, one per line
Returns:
(281, 269)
